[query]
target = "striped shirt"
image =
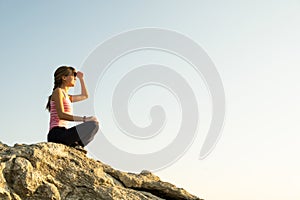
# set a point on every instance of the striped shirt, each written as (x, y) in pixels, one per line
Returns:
(54, 119)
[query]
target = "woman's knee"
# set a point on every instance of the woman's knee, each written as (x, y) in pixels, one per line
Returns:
(95, 125)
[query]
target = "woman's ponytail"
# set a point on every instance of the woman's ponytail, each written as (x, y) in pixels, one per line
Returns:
(48, 106)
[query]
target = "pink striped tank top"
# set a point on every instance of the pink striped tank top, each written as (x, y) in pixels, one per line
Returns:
(54, 119)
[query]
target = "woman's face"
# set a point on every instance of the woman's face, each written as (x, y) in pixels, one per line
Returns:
(71, 79)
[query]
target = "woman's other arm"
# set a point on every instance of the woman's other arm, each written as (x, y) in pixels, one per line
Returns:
(58, 96)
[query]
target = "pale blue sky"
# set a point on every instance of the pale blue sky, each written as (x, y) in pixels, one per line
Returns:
(255, 46)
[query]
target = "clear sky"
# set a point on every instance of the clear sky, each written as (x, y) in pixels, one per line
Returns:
(255, 46)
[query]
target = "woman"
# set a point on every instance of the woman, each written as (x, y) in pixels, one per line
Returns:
(60, 108)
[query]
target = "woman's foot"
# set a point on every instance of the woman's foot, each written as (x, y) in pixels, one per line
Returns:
(80, 148)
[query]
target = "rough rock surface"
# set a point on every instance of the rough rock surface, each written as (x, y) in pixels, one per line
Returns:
(55, 171)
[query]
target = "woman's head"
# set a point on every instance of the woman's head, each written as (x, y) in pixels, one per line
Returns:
(63, 75)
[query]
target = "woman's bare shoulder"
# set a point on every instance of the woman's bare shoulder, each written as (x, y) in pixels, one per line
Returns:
(56, 94)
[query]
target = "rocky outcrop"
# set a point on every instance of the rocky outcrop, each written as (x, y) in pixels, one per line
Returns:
(58, 172)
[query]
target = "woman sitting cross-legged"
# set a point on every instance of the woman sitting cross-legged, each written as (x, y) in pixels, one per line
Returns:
(60, 108)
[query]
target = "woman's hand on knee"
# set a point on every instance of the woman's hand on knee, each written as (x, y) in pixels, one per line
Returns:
(91, 118)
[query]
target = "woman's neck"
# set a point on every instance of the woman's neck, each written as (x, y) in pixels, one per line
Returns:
(65, 88)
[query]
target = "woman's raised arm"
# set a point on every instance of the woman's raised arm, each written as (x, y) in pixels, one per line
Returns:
(84, 93)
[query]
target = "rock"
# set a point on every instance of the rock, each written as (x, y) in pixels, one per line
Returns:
(58, 172)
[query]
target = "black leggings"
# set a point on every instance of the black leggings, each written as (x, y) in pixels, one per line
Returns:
(81, 134)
